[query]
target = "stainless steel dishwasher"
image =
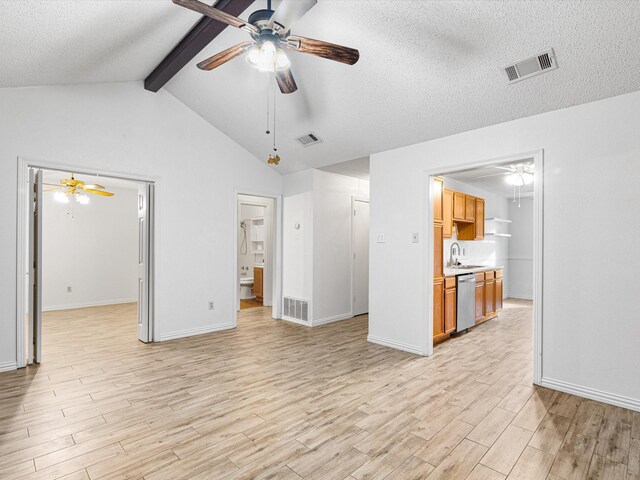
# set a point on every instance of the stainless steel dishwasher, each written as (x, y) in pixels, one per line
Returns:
(466, 301)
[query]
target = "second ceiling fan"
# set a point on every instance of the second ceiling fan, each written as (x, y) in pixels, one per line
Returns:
(271, 35)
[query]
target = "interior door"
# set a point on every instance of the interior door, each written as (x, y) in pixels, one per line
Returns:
(360, 234)
(145, 251)
(35, 267)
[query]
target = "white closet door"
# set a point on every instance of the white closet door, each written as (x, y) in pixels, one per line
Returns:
(145, 201)
(360, 234)
(35, 266)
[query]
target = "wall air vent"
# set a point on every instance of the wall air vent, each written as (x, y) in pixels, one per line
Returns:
(295, 308)
(529, 67)
(308, 139)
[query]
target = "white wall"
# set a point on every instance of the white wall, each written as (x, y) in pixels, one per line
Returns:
(332, 297)
(592, 167)
(521, 249)
(317, 257)
(90, 248)
(492, 251)
(123, 128)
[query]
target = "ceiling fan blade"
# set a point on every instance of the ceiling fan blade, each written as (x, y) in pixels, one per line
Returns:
(53, 184)
(288, 13)
(216, 14)
(285, 81)
(94, 186)
(224, 56)
(98, 192)
(53, 189)
(494, 175)
(322, 49)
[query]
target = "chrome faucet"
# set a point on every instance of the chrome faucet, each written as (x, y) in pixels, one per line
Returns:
(453, 263)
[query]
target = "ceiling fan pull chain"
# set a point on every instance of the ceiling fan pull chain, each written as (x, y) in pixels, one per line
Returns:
(274, 118)
(268, 91)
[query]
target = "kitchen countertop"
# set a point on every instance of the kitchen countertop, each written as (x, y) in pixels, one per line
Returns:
(452, 272)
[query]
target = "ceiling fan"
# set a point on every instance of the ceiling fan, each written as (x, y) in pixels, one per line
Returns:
(70, 187)
(271, 35)
(517, 175)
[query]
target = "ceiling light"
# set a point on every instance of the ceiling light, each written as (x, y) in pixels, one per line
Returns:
(515, 179)
(527, 178)
(82, 199)
(267, 57)
(61, 197)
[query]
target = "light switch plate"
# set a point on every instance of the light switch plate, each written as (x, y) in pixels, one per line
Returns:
(380, 238)
(414, 237)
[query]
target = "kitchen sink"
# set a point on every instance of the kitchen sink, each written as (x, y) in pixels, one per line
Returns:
(467, 267)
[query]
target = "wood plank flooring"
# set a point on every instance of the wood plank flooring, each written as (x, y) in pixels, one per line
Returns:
(273, 400)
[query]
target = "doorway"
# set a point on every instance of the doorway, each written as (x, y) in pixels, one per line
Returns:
(256, 246)
(360, 246)
(476, 212)
(85, 245)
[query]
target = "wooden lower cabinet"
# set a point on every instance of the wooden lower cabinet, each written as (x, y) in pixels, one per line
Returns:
(450, 304)
(479, 297)
(257, 282)
(489, 295)
(438, 309)
(499, 293)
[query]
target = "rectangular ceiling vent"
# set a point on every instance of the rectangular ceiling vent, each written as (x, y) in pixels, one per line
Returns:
(308, 139)
(529, 67)
(295, 308)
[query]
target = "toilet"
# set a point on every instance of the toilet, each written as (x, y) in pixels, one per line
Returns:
(246, 287)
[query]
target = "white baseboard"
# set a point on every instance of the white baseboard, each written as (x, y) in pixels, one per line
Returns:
(295, 320)
(8, 366)
(71, 306)
(592, 393)
(397, 345)
(519, 297)
(195, 331)
(335, 318)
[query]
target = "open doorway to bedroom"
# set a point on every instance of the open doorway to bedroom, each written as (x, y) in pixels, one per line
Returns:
(86, 263)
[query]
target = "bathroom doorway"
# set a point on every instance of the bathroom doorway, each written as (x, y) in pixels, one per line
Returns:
(255, 259)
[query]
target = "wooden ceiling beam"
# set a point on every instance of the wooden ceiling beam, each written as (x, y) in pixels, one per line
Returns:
(200, 35)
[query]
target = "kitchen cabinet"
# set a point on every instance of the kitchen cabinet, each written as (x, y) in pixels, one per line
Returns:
(438, 309)
(479, 297)
(470, 208)
(257, 282)
(479, 219)
(438, 189)
(450, 304)
(489, 293)
(438, 248)
(447, 213)
(459, 207)
(499, 290)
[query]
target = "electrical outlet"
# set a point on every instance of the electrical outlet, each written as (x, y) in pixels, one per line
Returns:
(68, 289)
(380, 238)
(414, 237)
(212, 305)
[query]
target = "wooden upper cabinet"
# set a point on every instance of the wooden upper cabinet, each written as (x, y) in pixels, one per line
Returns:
(447, 213)
(438, 190)
(438, 251)
(469, 208)
(479, 220)
(459, 206)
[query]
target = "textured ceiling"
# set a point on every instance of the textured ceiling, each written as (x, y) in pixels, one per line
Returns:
(427, 69)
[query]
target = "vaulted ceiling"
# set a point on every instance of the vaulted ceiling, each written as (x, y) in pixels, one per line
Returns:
(426, 70)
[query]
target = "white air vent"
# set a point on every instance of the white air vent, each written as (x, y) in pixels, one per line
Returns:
(529, 67)
(308, 139)
(295, 308)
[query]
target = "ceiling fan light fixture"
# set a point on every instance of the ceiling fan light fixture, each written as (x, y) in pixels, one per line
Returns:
(82, 199)
(266, 57)
(527, 178)
(61, 197)
(515, 179)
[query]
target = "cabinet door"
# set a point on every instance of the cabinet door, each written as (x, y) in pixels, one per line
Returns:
(479, 301)
(489, 297)
(469, 208)
(438, 258)
(257, 282)
(449, 310)
(447, 213)
(499, 294)
(479, 221)
(438, 190)
(438, 307)
(459, 207)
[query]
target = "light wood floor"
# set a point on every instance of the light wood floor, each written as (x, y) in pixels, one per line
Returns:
(278, 401)
(252, 303)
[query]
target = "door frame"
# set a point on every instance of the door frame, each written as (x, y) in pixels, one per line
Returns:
(354, 199)
(538, 246)
(276, 274)
(24, 164)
